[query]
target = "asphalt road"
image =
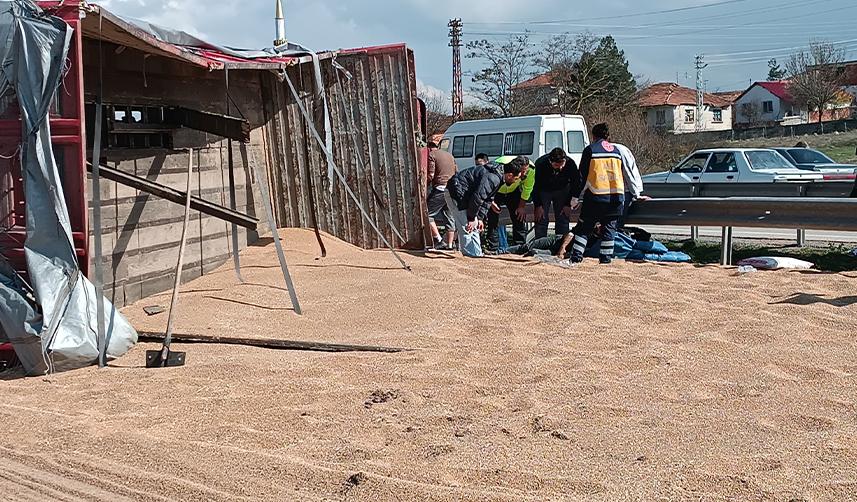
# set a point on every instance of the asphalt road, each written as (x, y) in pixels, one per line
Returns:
(757, 233)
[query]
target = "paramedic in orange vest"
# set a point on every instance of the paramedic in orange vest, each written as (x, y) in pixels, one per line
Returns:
(603, 195)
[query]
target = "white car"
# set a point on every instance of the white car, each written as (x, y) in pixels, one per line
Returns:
(734, 165)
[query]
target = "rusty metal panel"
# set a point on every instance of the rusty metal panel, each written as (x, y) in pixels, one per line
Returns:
(371, 112)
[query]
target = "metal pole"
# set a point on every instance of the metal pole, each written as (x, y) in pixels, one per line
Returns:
(236, 260)
(724, 246)
(269, 213)
(729, 246)
(180, 264)
(96, 223)
(801, 237)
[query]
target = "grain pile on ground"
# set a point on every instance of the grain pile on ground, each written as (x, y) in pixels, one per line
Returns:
(635, 381)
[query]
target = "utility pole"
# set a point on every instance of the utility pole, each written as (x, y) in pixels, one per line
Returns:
(700, 92)
(455, 26)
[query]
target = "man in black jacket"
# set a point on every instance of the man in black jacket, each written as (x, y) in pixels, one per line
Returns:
(469, 195)
(557, 182)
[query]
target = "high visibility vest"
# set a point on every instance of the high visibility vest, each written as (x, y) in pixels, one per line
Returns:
(605, 170)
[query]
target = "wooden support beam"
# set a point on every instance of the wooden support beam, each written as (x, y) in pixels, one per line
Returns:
(176, 196)
(221, 125)
(268, 343)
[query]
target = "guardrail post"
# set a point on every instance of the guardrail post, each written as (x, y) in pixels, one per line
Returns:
(726, 246)
(694, 231)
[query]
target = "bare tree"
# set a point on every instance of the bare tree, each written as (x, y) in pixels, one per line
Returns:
(815, 76)
(507, 63)
(751, 112)
(438, 118)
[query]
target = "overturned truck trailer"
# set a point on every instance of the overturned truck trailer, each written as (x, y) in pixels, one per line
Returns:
(163, 94)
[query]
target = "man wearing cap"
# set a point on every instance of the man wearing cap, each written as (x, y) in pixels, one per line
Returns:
(513, 197)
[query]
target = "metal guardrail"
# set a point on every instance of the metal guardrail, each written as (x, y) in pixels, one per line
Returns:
(813, 213)
(820, 188)
(761, 212)
(784, 189)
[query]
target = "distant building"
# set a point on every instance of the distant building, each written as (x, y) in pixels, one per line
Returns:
(672, 107)
(772, 103)
(539, 93)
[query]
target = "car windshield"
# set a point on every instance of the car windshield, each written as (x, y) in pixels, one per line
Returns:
(767, 159)
(807, 156)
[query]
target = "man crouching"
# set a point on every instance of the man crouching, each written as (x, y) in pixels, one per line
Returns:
(469, 195)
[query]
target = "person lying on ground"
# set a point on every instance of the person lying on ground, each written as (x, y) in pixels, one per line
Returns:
(513, 197)
(469, 196)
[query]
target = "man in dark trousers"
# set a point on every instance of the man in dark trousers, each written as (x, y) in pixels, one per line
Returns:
(441, 167)
(513, 197)
(469, 196)
(557, 182)
(603, 195)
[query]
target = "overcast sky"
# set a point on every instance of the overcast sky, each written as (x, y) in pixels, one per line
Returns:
(736, 36)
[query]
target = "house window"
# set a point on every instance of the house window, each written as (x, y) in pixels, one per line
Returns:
(553, 139)
(660, 117)
(689, 116)
(767, 107)
(490, 144)
(462, 146)
(718, 115)
(519, 143)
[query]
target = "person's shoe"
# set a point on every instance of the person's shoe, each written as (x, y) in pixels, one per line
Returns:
(575, 259)
(490, 252)
(605, 260)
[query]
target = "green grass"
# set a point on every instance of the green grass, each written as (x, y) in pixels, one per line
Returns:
(832, 258)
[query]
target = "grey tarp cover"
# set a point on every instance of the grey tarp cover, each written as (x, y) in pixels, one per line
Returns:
(190, 42)
(33, 54)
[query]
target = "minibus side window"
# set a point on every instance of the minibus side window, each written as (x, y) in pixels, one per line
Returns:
(519, 143)
(553, 139)
(462, 146)
(576, 142)
(490, 144)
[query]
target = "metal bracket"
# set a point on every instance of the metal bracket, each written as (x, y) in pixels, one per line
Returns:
(156, 359)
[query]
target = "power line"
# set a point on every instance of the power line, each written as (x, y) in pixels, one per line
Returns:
(622, 16)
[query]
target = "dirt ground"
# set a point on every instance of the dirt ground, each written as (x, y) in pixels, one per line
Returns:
(526, 382)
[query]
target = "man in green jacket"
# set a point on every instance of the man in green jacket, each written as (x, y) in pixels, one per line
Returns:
(514, 197)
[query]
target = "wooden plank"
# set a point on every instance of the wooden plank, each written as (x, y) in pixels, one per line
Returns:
(268, 343)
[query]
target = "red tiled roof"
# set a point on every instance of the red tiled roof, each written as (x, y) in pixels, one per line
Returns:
(671, 94)
(543, 80)
(728, 96)
(778, 88)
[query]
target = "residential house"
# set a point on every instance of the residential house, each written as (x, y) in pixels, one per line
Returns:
(539, 93)
(772, 103)
(672, 107)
